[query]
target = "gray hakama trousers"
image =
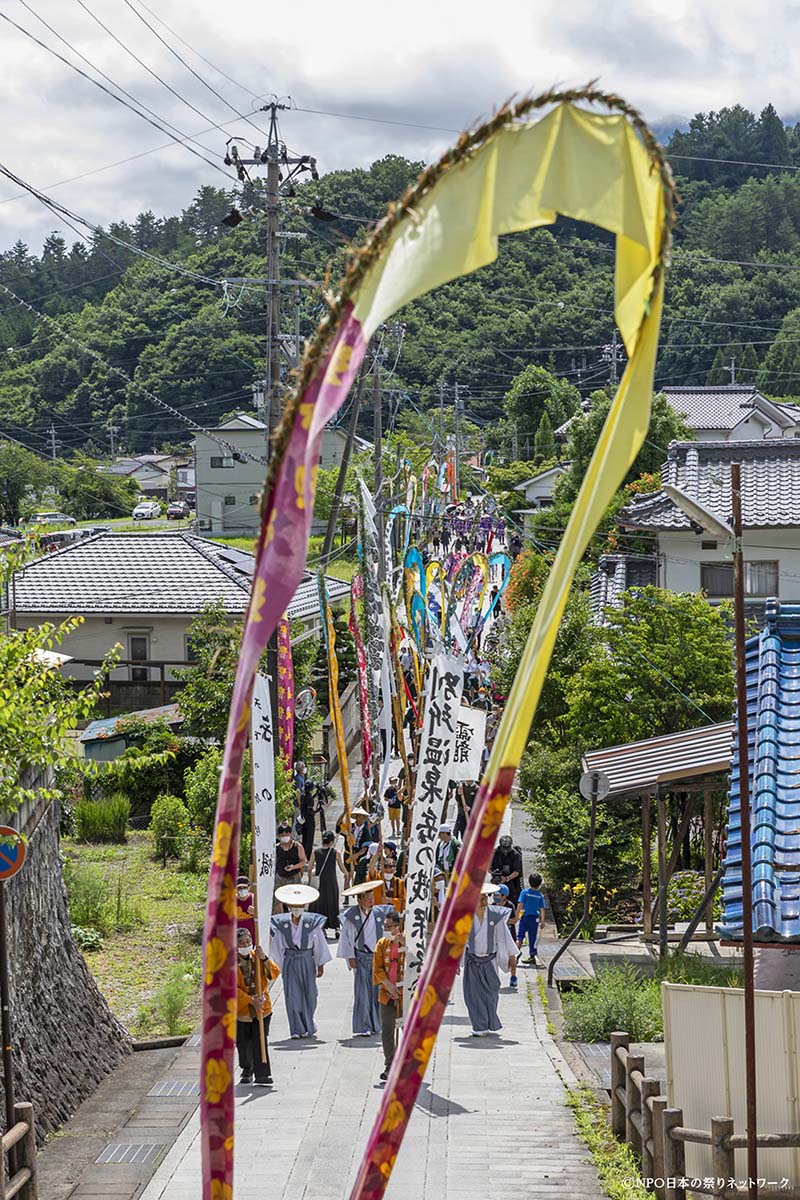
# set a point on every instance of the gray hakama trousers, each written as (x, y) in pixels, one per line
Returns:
(300, 990)
(481, 991)
(366, 1015)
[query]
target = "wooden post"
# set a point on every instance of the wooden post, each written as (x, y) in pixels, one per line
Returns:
(658, 1105)
(618, 1040)
(662, 873)
(649, 1089)
(27, 1153)
(674, 1156)
(708, 843)
(722, 1156)
(647, 885)
(633, 1103)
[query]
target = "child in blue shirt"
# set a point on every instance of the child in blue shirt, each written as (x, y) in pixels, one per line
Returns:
(530, 915)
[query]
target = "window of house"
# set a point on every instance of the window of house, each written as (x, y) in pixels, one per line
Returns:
(230, 500)
(760, 578)
(139, 651)
(218, 462)
(254, 499)
(190, 649)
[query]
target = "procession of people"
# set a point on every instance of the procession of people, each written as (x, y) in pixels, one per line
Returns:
(373, 877)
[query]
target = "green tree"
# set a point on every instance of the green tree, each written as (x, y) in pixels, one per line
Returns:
(780, 372)
(745, 362)
(544, 444)
(86, 492)
(664, 664)
(38, 708)
(533, 393)
(23, 478)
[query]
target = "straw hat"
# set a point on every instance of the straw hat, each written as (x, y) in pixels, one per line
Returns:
(488, 889)
(358, 811)
(296, 893)
(369, 885)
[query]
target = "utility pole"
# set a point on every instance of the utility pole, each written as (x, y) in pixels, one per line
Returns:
(614, 376)
(53, 441)
(732, 369)
(377, 437)
(458, 439)
(275, 156)
(113, 430)
(330, 532)
(441, 415)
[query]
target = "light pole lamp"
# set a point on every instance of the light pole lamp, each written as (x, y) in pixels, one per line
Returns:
(733, 533)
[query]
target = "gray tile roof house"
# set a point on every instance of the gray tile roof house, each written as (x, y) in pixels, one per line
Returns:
(172, 574)
(722, 410)
(770, 484)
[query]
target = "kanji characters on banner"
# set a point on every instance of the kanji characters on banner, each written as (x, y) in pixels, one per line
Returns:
(440, 721)
(469, 742)
(262, 741)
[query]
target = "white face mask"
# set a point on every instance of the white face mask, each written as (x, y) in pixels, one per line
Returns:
(388, 875)
(243, 893)
(296, 909)
(286, 841)
(245, 950)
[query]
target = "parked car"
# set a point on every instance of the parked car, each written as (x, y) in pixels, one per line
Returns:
(177, 510)
(51, 518)
(147, 510)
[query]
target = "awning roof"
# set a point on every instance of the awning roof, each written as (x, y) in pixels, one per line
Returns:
(641, 766)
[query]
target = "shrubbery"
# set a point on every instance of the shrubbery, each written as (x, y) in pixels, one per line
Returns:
(104, 819)
(169, 824)
(99, 901)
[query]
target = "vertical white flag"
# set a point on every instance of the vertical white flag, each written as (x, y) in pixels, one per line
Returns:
(443, 690)
(470, 740)
(262, 734)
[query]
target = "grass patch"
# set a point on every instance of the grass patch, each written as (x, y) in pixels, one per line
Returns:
(615, 1162)
(134, 966)
(542, 989)
(622, 997)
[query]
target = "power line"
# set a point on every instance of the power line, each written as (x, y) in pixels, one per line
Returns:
(235, 451)
(144, 65)
(197, 76)
(181, 141)
(207, 61)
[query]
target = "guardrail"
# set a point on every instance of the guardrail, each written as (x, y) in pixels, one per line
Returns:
(657, 1135)
(18, 1157)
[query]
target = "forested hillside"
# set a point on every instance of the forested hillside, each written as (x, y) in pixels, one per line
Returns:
(733, 291)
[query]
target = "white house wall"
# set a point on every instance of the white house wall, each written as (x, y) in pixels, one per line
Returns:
(94, 638)
(681, 555)
(243, 481)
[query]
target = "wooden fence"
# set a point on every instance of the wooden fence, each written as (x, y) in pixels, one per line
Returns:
(657, 1135)
(18, 1157)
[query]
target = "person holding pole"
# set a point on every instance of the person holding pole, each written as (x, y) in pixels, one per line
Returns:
(489, 945)
(362, 929)
(388, 965)
(301, 952)
(255, 972)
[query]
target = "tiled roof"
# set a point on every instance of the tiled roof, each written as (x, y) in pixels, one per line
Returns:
(773, 726)
(106, 727)
(770, 484)
(615, 574)
(157, 573)
(723, 408)
(639, 767)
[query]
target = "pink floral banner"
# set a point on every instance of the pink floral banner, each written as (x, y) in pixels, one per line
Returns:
(285, 694)
(280, 561)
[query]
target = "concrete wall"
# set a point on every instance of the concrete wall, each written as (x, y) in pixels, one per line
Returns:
(682, 553)
(66, 1040)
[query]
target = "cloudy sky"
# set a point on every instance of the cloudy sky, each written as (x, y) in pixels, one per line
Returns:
(434, 64)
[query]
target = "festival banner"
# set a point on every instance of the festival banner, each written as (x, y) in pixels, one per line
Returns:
(469, 743)
(378, 644)
(356, 593)
(262, 742)
(285, 694)
(507, 175)
(333, 699)
(439, 725)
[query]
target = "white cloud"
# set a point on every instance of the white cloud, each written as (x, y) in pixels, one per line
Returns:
(427, 63)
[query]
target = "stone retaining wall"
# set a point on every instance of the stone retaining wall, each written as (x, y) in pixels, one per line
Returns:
(66, 1038)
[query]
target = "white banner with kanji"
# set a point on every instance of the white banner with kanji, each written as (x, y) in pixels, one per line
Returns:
(262, 734)
(469, 743)
(443, 690)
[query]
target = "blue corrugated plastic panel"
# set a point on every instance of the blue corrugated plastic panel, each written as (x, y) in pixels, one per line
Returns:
(773, 721)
